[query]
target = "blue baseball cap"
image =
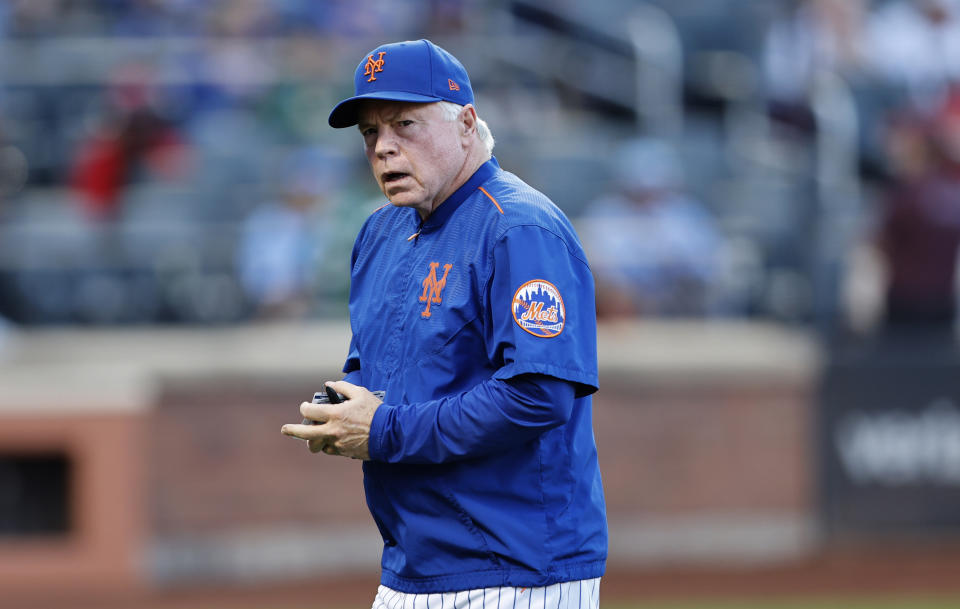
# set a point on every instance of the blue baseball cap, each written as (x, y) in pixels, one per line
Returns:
(411, 71)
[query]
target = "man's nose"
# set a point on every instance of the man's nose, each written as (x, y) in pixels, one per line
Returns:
(386, 143)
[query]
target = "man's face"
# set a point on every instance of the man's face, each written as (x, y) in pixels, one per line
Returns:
(415, 154)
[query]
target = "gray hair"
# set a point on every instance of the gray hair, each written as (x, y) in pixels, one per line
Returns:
(451, 111)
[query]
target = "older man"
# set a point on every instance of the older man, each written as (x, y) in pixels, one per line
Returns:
(472, 308)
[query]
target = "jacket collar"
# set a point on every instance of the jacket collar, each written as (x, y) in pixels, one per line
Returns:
(443, 211)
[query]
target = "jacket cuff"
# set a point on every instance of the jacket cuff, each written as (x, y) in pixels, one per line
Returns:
(382, 419)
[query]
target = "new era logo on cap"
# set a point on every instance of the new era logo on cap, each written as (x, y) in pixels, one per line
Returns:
(413, 71)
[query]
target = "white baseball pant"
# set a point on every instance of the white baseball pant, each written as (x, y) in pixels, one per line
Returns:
(580, 594)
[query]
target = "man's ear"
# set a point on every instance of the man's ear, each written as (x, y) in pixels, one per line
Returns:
(467, 120)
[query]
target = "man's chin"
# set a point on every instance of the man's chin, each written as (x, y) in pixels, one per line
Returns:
(400, 200)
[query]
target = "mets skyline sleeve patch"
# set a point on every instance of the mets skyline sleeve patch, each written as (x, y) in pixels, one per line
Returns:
(538, 308)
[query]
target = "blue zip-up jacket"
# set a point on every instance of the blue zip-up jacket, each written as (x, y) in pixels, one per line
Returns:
(480, 325)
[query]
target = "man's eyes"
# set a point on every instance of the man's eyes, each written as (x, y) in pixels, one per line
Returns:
(368, 131)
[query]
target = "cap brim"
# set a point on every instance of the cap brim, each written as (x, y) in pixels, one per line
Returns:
(344, 114)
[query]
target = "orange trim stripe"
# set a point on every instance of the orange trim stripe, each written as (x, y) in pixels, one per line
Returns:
(387, 204)
(484, 191)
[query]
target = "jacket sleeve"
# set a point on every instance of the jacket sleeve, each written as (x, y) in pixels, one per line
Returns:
(493, 415)
(536, 271)
(351, 367)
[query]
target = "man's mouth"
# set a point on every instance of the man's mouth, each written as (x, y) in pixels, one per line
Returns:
(393, 176)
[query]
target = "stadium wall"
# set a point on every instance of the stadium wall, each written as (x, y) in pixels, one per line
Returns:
(179, 473)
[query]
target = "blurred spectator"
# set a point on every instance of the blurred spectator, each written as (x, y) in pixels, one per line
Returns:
(915, 44)
(134, 144)
(368, 18)
(153, 17)
(812, 35)
(31, 18)
(654, 250)
(919, 233)
(283, 240)
(238, 70)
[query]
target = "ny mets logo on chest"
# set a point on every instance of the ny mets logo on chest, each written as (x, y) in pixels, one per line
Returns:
(432, 287)
(373, 66)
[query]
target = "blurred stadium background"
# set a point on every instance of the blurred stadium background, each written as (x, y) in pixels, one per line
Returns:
(769, 191)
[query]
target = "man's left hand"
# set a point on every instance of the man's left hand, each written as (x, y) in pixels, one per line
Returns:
(342, 429)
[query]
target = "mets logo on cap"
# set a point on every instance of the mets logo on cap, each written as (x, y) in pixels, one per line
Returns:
(373, 66)
(538, 308)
